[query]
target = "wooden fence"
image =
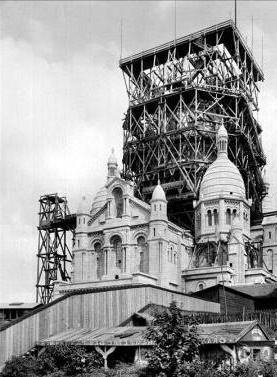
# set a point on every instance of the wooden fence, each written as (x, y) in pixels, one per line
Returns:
(268, 318)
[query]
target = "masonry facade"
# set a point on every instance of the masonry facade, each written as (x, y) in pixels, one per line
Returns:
(123, 240)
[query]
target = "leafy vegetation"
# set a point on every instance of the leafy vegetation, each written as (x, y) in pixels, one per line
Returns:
(175, 354)
(63, 359)
(176, 342)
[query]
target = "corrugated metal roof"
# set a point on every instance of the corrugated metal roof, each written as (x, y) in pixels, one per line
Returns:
(214, 333)
(229, 332)
(114, 336)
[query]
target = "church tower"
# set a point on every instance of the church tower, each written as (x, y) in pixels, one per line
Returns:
(222, 224)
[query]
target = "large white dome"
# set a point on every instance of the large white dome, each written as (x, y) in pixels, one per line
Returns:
(222, 178)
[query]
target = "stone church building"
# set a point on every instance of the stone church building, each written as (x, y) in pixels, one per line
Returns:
(123, 240)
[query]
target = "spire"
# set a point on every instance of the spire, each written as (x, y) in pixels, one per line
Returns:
(222, 140)
(112, 165)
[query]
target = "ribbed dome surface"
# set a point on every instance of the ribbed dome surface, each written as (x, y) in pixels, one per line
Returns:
(99, 200)
(222, 177)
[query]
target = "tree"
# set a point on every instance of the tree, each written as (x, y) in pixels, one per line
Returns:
(175, 341)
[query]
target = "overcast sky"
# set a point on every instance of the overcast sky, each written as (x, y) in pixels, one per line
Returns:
(63, 98)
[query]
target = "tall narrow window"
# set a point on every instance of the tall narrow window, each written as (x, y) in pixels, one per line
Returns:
(99, 260)
(143, 255)
(209, 217)
(228, 216)
(268, 260)
(215, 217)
(118, 200)
(234, 213)
(117, 246)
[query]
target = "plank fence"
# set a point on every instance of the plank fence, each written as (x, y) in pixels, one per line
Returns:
(268, 318)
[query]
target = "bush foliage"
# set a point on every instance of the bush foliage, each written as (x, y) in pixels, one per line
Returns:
(63, 359)
(176, 342)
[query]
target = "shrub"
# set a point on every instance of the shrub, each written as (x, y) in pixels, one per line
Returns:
(175, 342)
(21, 366)
(60, 360)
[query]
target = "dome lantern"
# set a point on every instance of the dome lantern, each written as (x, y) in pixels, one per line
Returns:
(222, 140)
(222, 177)
(112, 165)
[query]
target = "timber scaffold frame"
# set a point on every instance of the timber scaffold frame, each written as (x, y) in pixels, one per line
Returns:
(179, 93)
(54, 255)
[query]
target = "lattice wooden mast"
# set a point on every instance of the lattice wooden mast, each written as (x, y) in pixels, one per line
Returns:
(179, 93)
(54, 255)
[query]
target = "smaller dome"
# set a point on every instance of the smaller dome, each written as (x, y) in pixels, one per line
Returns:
(99, 200)
(112, 159)
(158, 193)
(83, 206)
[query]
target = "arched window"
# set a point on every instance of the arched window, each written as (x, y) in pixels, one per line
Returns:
(209, 217)
(268, 260)
(174, 258)
(234, 213)
(118, 200)
(228, 216)
(117, 246)
(99, 260)
(143, 256)
(200, 286)
(215, 217)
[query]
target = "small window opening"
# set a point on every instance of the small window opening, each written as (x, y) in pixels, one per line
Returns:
(209, 217)
(201, 287)
(228, 216)
(215, 217)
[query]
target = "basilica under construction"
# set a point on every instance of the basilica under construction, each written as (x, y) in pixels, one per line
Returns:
(189, 211)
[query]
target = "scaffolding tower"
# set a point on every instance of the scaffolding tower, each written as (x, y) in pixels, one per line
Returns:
(179, 93)
(54, 255)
